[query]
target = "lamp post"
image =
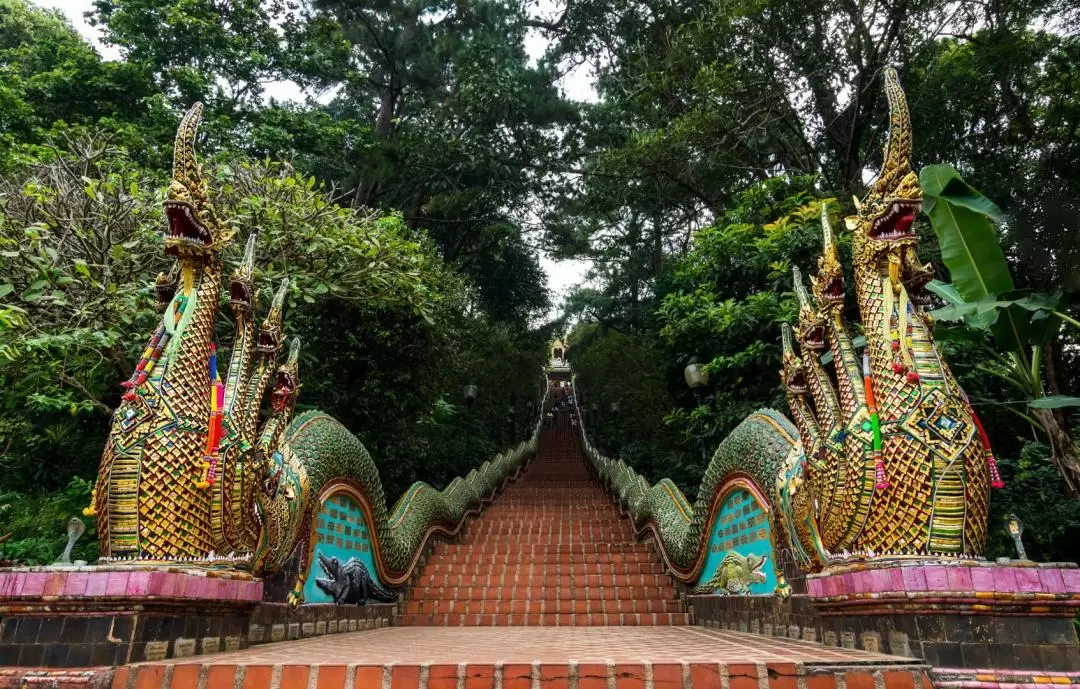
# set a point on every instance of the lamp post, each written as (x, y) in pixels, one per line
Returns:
(1015, 528)
(469, 392)
(698, 382)
(696, 379)
(511, 417)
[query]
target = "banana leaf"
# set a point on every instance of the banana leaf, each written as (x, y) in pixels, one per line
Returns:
(963, 220)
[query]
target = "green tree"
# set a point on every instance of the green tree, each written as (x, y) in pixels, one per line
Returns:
(52, 80)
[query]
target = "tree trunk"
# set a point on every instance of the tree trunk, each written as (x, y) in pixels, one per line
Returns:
(384, 129)
(1062, 450)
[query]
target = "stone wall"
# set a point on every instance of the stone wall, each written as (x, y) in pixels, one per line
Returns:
(1009, 642)
(277, 621)
(793, 617)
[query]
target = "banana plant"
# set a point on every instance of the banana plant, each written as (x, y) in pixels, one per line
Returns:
(984, 297)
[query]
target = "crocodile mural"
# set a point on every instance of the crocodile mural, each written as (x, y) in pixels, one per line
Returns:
(350, 583)
(190, 475)
(884, 458)
(735, 575)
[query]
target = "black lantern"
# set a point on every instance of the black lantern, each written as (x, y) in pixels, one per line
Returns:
(470, 393)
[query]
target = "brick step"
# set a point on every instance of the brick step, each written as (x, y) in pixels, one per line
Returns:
(566, 537)
(543, 606)
(567, 567)
(511, 579)
(553, 577)
(616, 530)
(519, 523)
(547, 620)
(467, 593)
(556, 535)
(598, 564)
(600, 552)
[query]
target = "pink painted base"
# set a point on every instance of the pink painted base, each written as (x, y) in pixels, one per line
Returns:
(976, 584)
(26, 585)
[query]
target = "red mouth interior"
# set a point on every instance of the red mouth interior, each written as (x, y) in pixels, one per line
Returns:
(238, 293)
(835, 289)
(815, 337)
(897, 222)
(183, 226)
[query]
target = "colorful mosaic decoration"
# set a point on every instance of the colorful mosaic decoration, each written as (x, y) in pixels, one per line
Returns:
(740, 548)
(341, 534)
(885, 459)
(191, 474)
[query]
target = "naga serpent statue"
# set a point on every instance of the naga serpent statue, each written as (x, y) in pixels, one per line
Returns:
(886, 458)
(189, 475)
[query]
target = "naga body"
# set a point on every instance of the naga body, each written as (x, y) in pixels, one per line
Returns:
(191, 472)
(885, 457)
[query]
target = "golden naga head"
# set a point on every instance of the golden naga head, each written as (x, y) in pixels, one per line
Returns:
(270, 330)
(793, 373)
(287, 382)
(195, 233)
(885, 216)
(165, 287)
(241, 282)
(811, 320)
(916, 276)
(828, 284)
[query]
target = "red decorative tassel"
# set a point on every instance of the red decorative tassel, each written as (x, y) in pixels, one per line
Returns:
(912, 377)
(880, 482)
(898, 368)
(995, 475)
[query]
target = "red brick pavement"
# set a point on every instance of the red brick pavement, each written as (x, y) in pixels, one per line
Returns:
(530, 657)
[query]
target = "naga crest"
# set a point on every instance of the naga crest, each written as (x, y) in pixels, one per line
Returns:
(195, 230)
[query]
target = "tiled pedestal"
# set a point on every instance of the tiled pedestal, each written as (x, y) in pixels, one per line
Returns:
(980, 624)
(111, 615)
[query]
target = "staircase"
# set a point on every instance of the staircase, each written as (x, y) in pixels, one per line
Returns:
(552, 550)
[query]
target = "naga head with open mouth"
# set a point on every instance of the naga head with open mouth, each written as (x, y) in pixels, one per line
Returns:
(287, 382)
(916, 276)
(195, 233)
(828, 284)
(241, 283)
(270, 330)
(811, 319)
(884, 223)
(793, 373)
(165, 287)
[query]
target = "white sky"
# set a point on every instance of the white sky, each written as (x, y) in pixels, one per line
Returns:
(577, 85)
